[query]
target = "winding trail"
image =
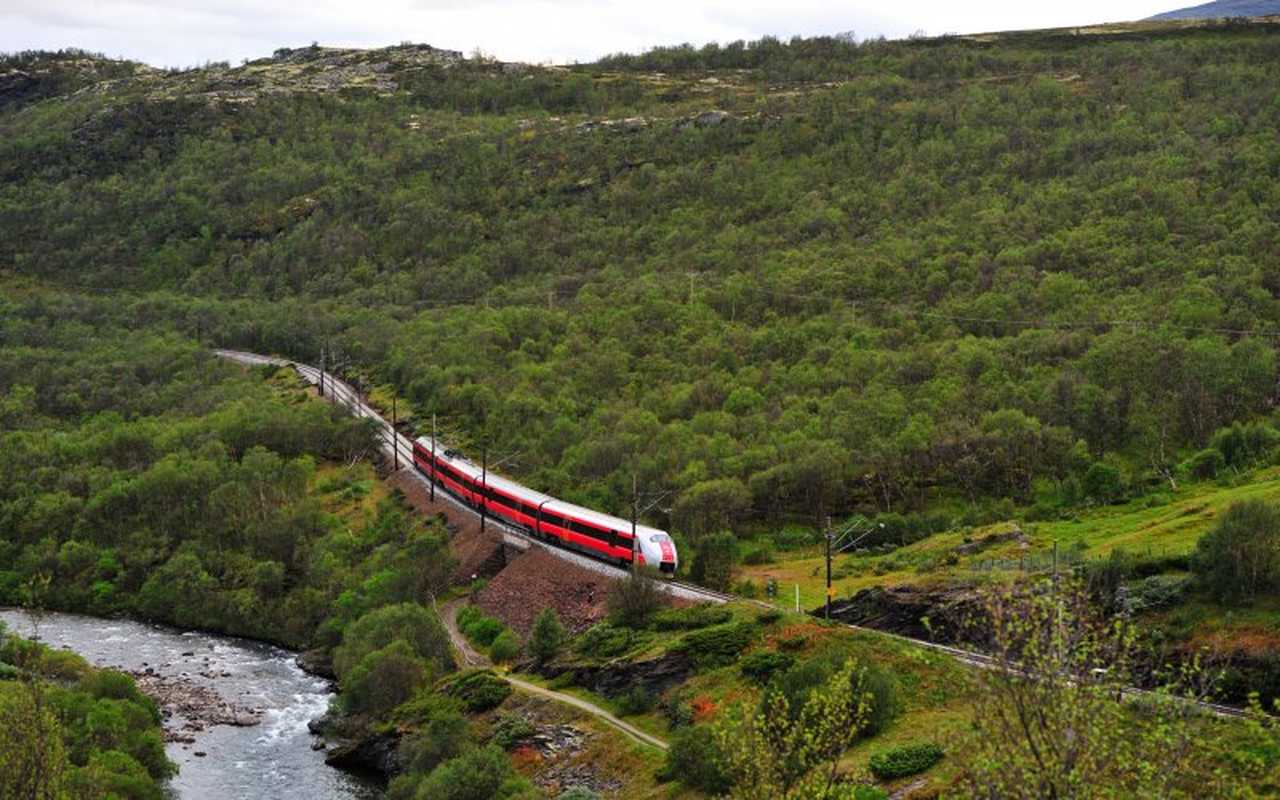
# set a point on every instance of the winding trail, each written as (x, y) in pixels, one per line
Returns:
(471, 658)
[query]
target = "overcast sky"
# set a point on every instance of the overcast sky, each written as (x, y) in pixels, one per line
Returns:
(187, 32)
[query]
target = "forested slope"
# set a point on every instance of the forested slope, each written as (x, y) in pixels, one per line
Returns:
(888, 274)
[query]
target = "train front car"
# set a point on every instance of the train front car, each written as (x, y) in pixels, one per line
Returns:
(657, 549)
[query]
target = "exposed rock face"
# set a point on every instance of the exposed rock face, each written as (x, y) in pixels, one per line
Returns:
(318, 662)
(953, 613)
(655, 675)
(373, 753)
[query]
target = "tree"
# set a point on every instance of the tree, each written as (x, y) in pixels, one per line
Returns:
(774, 752)
(384, 679)
(634, 600)
(713, 561)
(419, 627)
(1240, 558)
(1049, 720)
(547, 637)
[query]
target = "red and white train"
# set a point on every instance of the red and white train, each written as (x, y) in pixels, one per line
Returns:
(543, 516)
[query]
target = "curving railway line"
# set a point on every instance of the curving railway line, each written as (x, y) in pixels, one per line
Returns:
(339, 391)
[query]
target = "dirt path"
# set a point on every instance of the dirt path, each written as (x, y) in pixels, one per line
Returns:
(471, 658)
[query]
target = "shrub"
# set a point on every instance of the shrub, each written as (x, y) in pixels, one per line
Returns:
(713, 647)
(635, 599)
(713, 561)
(769, 616)
(506, 648)
(1157, 591)
(606, 641)
(797, 682)
(1103, 483)
(511, 728)
(691, 617)
(1205, 464)
(383, 679)
(416, 625)
(578, 793)
(696, 761)
(759, 552)
(479, 627)
(762, 666)
(481, 774)
(477, 690)
(1240, 557)
(442, 732)
(547, 637)
(638, 700)
(900, 762)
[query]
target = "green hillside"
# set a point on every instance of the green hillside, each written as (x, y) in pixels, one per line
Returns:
(886, 272)
(997, 299)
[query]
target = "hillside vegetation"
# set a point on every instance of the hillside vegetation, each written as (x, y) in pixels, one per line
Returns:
(933, 286)
(887, 272)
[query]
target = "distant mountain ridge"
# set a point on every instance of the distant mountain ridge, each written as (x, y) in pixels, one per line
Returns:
(1225, 8)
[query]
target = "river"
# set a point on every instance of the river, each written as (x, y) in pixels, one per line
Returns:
(273, 759)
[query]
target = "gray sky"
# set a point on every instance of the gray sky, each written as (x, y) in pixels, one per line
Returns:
(187, 32)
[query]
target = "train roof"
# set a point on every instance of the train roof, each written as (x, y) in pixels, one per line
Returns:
(560, 507)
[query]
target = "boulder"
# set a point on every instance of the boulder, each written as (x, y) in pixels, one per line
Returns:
(376, 752)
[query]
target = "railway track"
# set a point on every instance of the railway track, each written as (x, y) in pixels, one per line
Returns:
(393, 441)
(338, 391)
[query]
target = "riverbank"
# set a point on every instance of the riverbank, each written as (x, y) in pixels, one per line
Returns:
(236, 710)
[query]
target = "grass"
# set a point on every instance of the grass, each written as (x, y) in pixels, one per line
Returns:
(1158, 525)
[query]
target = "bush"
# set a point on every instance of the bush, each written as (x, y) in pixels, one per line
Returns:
(547, 637)
(759, 552)
(901, 762)
(1103, 483)
(717, 646)
(695, 760)
(1157, 591)
(691, 617)
(510, 729)
(419, 627)
(506, 648)
(477, 690)
(638, 700)
(713, 561)
(606, 641)
(479, 627)
(762, 666)
(1240, 558)
(1205, 464)
(797, 682)
(635, 599)
(441, 731)
(578, 793)
(481, 774)
(383, 679)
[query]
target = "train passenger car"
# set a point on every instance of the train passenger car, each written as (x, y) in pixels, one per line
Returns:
(542, 515)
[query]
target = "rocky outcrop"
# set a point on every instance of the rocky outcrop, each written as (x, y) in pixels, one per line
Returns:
(376, 752)
(318, 662)
(611, 680)
(953, 613)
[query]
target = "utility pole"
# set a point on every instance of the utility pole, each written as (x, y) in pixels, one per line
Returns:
(635, 512)
(828, 539)
(484, 480)
(433, 456)
(395, 437)
(322, 370)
